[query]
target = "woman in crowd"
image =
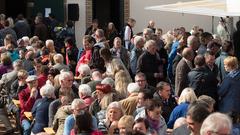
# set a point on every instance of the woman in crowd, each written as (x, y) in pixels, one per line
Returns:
(71, 53)
(111, 33)
(86, 54)
(51, 74)
(187, 96)
(125, 125)
(121, 83)
(113, 114)
(152, 114)
(111, 63)
(120, 52)
(6, 64)
(229, 89)
(101, 91)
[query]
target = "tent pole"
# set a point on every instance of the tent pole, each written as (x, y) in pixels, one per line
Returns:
(212, 24)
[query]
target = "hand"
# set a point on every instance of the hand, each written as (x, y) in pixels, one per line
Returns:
(113, 126)
(33, 92)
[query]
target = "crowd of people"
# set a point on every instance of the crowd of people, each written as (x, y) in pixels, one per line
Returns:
(118, 82)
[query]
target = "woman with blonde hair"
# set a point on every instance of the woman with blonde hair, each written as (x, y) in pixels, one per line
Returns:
(187, 97)
(229, 89)
(112, 64)
(121, 83)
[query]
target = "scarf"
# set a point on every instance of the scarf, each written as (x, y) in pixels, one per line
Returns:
(154, 124)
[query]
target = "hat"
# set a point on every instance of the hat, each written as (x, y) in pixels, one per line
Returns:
(31, 78)
(105, 88)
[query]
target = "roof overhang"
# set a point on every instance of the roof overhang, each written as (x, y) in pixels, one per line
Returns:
(219, 8)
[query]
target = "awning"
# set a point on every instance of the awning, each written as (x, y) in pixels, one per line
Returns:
(219, 8)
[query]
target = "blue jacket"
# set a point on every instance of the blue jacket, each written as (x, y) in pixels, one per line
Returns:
(229, 93)
(40, 114)
(219, 62)
(178, 111)
(171, 57)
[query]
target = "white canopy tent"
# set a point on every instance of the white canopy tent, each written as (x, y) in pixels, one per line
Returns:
(219, 8)
(214, 8)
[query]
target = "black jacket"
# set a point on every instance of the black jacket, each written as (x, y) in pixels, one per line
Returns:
(168, 105)
(203, 82)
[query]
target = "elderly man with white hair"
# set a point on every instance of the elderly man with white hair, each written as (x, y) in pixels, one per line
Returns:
(129, 104)
(136, 52)
(66, 89)
(78, 106)
(216, 124)
(40, 108)
(66, 85)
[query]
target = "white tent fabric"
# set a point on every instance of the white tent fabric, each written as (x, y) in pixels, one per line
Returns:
(219, 8)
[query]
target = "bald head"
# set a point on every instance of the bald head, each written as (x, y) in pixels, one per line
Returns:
(188, 54)
(193, 42)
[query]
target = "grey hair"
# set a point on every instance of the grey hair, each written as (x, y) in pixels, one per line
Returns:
(179, 122)
(190, 40)
(108, 80)
(133, 87)
(85, 69)
(85, 89)
(149, 43)
(76, 102)
(58, 58)
(49, 42)
(148, 30)
(216, 121)
(47, 90)
(138, 39)
(116, 105)
(64, 75)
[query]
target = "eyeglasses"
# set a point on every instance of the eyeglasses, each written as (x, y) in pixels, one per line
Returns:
(140, 80)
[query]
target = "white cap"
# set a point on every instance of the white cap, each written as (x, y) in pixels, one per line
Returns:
(31, 78)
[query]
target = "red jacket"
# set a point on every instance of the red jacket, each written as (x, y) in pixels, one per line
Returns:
(42, 80)
(26, 102)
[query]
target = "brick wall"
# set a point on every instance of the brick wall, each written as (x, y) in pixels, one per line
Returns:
(126, 10)
(89, 12)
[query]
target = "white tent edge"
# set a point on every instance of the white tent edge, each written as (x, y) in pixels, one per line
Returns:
(199, 8)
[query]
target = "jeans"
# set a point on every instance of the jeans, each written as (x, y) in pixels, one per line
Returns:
(26, 127)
